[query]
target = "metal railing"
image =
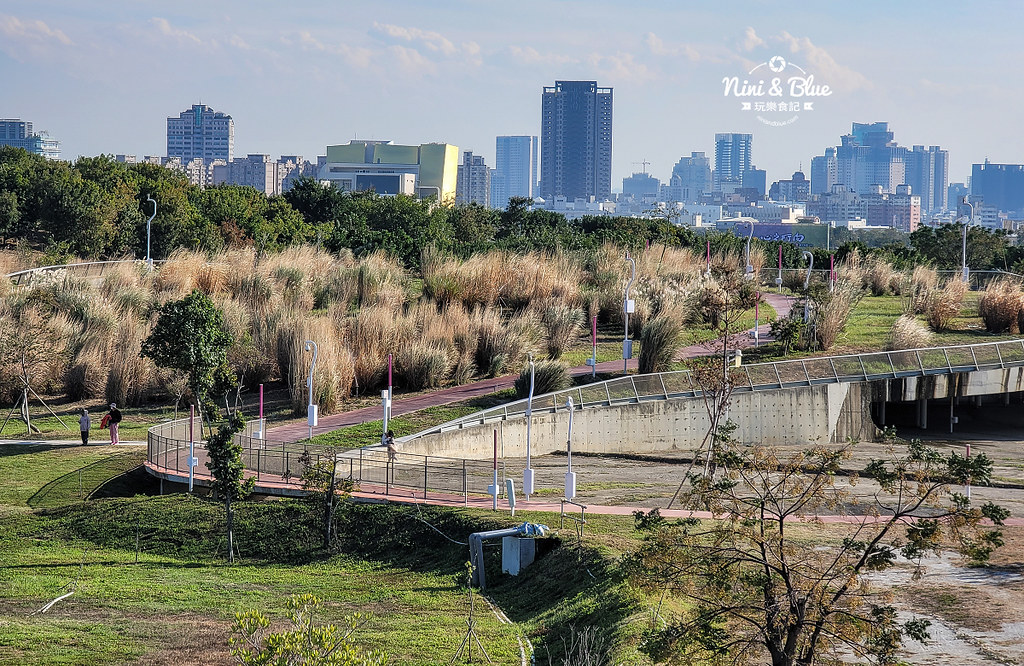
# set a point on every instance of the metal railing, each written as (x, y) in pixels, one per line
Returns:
(281, 464)
(90, 269)
(759, 377)
(977, 280)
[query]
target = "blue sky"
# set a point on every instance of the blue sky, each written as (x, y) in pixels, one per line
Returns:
(296, 76)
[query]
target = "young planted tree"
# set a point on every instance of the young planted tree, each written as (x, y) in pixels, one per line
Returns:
(189, 336)
(253, 644)
(756, 591)
(225, 464)
(323, 490)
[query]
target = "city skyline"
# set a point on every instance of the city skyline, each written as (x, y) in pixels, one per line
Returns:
(105, 79)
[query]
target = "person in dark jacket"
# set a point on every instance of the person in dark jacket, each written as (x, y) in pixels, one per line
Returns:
(113, 420)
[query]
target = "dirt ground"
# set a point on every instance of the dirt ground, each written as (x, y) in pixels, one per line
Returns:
(976, 613)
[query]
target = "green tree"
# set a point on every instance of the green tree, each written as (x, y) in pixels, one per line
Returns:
(755, 593)
(253, 644)
(943, 246)
(225, 464)
(189, 336)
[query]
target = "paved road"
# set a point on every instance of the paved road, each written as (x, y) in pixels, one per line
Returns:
(298, 431)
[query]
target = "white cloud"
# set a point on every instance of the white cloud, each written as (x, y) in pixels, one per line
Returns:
(353, 55)
(239, 43)
(527, 55)
(620, 68)
(816, 60)
(750, 40)
(33, 30)
(657, 46)
(166, 29)
(432, 41)
(412, 61)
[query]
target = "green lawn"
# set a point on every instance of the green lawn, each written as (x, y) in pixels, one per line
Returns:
(173, 600)
(369, 433)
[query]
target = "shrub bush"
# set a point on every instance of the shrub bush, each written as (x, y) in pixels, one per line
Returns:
(944, 305)
(420, 365)
(1000, 306)
(549, 376)
(908, 333)
(659, 341)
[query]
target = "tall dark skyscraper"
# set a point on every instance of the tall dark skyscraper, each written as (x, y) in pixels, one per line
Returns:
(1000, 186)
(576, 140)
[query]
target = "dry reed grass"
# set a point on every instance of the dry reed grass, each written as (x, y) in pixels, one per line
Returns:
(944, 305)
(917, 291)
(834, 312)
(1000, 306)
(908, 333)
(334, 373)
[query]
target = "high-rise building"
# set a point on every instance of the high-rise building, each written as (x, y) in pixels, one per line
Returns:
(202, 133)
(18, 134)
(1000, 186)
(732, 159)
(576, 141)
(797, 188)
(754, 181)
(473, 184)
(641, 185)
(824, 172)
(255, 170)
(694, 176)
(955, 194)
(515, 169)
(427, 170)
(927, 173)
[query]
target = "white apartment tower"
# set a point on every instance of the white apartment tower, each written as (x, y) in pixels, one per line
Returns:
(201, 132)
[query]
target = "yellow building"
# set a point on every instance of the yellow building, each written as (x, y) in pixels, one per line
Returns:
(427, 170)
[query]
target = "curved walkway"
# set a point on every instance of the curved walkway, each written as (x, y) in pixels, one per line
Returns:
(294, 432)
(375, 493)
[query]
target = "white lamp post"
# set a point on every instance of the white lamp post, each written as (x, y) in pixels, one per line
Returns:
(749, 271)
(149, 224)
(311, 410)
(528, 472)
(628, 305)
(965, 271)
(570, 476)
(807, 281)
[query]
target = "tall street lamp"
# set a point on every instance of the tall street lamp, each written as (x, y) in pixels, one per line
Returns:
(311, 409)
(628, 305)
(749, 271)
(149, 224)
(528, 472)
(970, 220)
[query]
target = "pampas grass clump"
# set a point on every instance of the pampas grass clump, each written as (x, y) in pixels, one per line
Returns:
(1000, 305)
(944, 305)
(908, 333)
(548, 377)
(659, 340)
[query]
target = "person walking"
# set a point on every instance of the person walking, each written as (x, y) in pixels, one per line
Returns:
(113, 420)
(84, 423)
(389, 443)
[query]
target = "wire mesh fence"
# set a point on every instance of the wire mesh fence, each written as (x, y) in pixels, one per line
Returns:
(282, 464)
(761, 377)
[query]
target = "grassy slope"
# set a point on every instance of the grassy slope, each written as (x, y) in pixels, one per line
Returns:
(176, 604)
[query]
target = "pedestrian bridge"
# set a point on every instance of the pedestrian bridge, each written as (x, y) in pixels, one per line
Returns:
(823, 399)
(798, 401)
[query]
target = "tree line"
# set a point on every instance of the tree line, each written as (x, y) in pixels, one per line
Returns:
(96, 207)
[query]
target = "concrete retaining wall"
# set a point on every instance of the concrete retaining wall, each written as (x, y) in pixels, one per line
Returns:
(978, 382)
(823, 413)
